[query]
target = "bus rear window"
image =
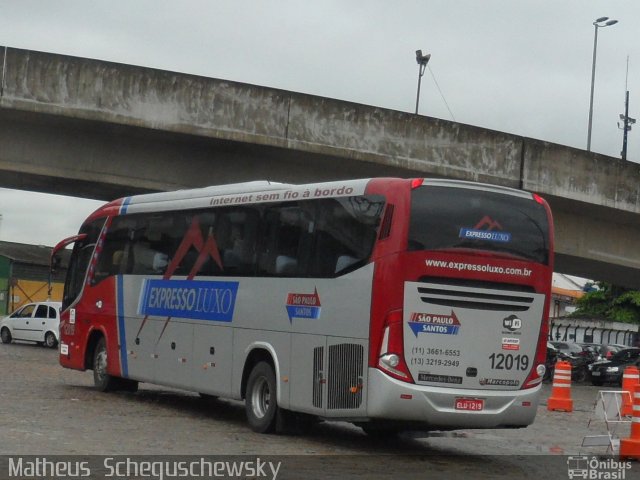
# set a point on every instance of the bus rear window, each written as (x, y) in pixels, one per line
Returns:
(446, 218)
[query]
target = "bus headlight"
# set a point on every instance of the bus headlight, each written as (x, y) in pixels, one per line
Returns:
(541, 370)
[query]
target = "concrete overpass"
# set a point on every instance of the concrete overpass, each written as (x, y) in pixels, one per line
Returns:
(102, 130)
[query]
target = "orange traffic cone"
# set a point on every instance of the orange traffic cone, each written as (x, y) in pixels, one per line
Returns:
(630, 379)
(560, 398)
(630, 447)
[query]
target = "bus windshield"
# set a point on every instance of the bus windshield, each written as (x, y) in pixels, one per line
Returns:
(445, 218)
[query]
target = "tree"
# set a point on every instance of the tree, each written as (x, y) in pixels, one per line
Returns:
(611, 302)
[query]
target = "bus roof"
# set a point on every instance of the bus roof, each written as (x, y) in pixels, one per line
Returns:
(238, 194)
(207, 192)
(265, 191)
(443, 182)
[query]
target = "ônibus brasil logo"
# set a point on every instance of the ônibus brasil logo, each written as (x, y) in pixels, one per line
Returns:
(434, 323)
(595, 468)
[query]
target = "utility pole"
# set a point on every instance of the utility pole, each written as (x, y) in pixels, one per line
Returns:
(627, 122)
(626, 126)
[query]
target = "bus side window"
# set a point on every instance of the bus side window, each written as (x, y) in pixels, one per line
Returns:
(174, 238)
(345, 234)
(280, 251)
(148, 260)
(154, 243)
(113, 258)
(237, 240)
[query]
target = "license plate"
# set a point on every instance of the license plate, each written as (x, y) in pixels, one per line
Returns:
(472, 404)
(595, 374)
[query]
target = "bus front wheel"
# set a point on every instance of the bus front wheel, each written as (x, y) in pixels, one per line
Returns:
(260, 404)
(101, 379)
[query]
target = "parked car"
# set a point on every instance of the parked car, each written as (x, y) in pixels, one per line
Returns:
(586, 351)
(612, 370)
(607, 351)
(568, 348)
(591, 351)
(578, 359)
(34, 322)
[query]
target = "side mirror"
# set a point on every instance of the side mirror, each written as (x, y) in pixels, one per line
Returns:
(55, 263)
(55, 253)
(56, 259)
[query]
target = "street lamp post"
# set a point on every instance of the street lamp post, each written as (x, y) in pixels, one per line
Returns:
(422, 61)
(599, 23)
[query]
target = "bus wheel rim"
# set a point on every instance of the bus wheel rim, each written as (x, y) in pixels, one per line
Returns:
(101, 364)
(261, 397)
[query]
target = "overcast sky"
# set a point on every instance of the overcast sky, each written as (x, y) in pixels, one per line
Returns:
(518, 66)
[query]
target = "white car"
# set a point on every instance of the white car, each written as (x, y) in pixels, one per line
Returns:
(34, 322)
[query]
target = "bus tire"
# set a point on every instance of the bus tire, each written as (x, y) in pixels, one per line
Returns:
(260, 402)
(6, 335)
(101, 379)
(50, 340)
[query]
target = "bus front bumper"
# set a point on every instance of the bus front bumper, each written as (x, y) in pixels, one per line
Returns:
(435, 407)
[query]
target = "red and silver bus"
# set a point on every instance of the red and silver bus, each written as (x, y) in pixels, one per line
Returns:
(390, 303)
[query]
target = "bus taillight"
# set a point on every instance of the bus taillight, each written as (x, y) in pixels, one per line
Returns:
(535, 377)
(391, 358)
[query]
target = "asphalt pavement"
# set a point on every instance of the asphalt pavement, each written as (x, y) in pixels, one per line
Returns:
(48, 410)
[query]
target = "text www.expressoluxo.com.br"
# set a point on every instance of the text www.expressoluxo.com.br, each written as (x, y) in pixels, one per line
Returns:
(479, 267)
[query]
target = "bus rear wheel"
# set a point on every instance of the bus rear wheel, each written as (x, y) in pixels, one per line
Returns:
(260, 404)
